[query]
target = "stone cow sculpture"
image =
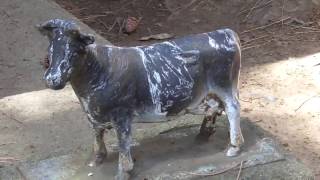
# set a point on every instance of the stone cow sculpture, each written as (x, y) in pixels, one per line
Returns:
(195, 74)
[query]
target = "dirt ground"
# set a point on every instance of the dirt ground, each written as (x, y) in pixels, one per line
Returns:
(279, 87)
(280, 83)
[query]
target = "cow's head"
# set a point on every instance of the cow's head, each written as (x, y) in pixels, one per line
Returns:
(67, 44)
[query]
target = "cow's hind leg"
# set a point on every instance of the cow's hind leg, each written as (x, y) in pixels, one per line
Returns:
(122, 125)
(232, 109)
(207, 127)
(99, 148)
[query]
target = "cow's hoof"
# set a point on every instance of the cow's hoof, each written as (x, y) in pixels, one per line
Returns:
(127, 165)
(122, 176)
(233, 151)
(125, 162)
(97, 160)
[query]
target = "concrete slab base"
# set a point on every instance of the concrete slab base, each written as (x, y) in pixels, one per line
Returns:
(178, 154)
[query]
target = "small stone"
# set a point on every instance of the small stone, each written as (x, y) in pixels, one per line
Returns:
(195, 21)
(246, 110)
(90, 174)
(285, 144)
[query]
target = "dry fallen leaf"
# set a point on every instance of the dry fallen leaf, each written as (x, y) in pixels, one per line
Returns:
(246, 110)
(131, 24)
(157, 37)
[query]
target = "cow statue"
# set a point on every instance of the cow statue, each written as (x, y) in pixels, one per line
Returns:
(196, 74)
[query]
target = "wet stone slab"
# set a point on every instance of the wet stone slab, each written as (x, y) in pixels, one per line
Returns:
(177, 154)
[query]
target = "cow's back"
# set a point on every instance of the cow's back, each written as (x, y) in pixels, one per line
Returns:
(180, 70)
(169, 79)
(218, 56)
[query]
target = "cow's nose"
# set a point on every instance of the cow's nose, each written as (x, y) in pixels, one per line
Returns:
(49, 80)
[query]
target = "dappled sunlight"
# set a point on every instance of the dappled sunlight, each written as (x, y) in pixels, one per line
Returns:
(42, 123)
(297, 79)
(284, 98)
(37, 105)
(287, 82)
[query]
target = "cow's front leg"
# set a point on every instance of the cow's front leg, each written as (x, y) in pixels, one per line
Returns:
(122, 126)
(236, 138)
(99, 147)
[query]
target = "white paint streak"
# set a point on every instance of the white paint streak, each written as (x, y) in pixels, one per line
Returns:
(51, 52)
(230, 39)
(93, 49)
(157, 77)
(213, 43)
(154, 89)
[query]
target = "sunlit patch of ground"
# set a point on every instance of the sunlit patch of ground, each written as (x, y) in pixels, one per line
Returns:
(40, 124)
(284, 99)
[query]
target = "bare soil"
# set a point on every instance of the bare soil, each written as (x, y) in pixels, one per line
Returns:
(279, 83)
(280, 40)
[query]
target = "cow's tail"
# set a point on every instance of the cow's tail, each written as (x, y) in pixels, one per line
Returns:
(236, 64)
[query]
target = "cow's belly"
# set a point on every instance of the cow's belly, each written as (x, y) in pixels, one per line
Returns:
(209, 104)
(169, 80)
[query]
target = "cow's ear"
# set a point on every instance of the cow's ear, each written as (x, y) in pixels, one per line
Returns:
(46, 27)
(87, 39)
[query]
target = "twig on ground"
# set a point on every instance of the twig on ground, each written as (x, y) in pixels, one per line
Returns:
(6, 13)
(195, 7)
(305, 102)
(103, 24)
(178, 128)
(149, 1)
(21, 173)
(178, 10)
(282, 12)
(265, 26)
(246, 100)
(255, 46)
(3, 144)
(306, 32)
(240, 169)
(257, 7)
(121, 25)
(216, 173)
(125, 5)
(114, 23)
(92, 17)
(303, 27)
(12, 118)
(251, 9)
(293, 37)
(96, 15)
(302, 40)
(254, 39)
(79, 9)
(244, 9)
(8, 160)
(251, 99)
(257, 121)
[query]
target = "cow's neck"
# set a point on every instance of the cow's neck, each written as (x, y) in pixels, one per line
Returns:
(89, 74)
